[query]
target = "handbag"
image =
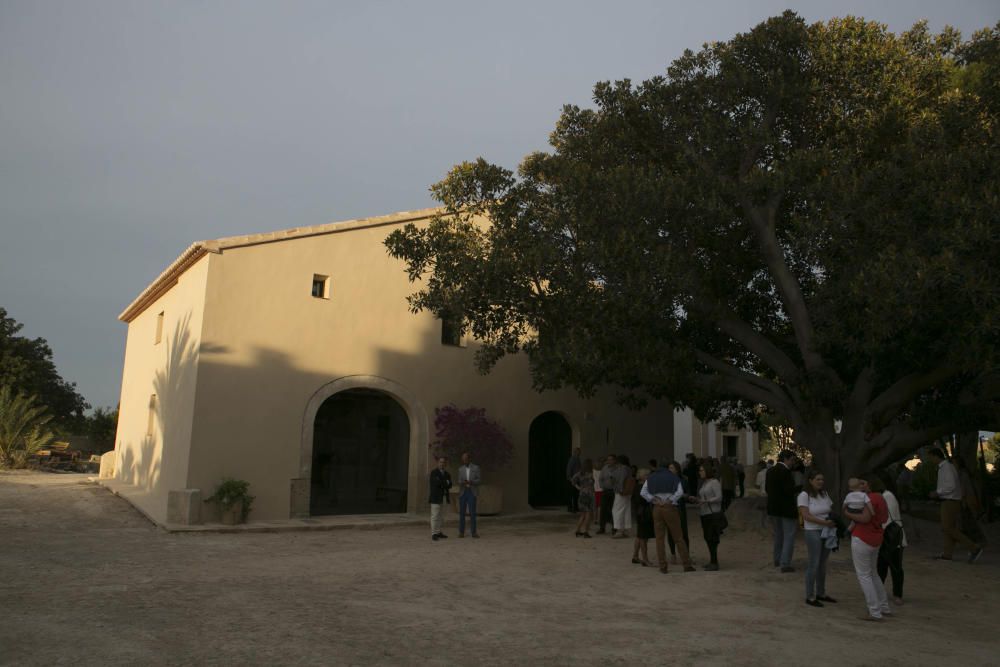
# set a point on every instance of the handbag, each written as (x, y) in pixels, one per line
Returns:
(721, 522)
(892, 536)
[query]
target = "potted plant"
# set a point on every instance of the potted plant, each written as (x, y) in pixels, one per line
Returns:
(470, 430)
(234, 499)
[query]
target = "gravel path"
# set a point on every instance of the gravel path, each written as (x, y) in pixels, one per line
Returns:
(87, 581)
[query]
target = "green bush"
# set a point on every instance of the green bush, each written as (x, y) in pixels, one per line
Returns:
(23, 428)
(230, 492)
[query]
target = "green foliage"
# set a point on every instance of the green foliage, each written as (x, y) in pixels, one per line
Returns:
(803, 217)
(26, 365)
(230, 492)
(980, 73)
(101, 427)
(23, 428)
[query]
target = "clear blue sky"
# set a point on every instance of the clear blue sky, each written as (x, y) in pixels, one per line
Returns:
(130, 129)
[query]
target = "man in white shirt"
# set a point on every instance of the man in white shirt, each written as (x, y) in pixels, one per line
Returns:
(468, 485)
(949, 492)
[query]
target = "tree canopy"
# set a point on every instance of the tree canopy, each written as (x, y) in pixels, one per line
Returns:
(26, 367)
(804, 217)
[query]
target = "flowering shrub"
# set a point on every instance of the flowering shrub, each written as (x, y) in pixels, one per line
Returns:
(470, 430)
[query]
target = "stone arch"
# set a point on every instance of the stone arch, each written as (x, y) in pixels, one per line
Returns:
(419, 436)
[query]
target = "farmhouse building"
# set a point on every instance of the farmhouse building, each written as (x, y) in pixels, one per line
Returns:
(291, 360)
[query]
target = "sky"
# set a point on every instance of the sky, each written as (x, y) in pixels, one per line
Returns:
(131, 129)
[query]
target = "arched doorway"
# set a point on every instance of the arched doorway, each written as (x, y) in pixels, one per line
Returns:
(360, 454)
(550, 439)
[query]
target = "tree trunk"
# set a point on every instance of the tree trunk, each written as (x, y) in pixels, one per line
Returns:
(839, 456)
(967, 450)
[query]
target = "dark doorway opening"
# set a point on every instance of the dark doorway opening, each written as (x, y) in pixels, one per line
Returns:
(732, 445)
(550, 440)
(361, 454)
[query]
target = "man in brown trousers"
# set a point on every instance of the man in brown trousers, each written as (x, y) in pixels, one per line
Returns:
(663, 489)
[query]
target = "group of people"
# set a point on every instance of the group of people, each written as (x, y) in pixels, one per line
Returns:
(654, 500)
(870, 514)
(469, 479)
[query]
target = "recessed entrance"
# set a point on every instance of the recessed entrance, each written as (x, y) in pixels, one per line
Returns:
(550, 439)
(360, 456)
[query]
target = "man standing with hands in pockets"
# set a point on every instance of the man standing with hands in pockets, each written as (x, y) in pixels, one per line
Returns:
(468, 484)
(440, 484)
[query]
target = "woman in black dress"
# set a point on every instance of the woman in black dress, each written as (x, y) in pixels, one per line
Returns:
(643, 521)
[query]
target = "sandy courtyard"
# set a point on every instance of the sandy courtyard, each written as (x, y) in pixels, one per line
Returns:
(88, 581)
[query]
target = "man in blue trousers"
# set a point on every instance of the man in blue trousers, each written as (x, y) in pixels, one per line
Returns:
(468, 485)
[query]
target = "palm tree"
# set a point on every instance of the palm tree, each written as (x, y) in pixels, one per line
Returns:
(23, 429)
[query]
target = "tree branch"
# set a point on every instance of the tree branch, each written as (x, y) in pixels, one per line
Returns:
(904, 390)
(747, 385)
(862, 392)
(901, 436)
(763, 223)
(752, 340)
(899, 440)
(758, 344)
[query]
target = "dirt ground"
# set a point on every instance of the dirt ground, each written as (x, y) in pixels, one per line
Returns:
(86, 580)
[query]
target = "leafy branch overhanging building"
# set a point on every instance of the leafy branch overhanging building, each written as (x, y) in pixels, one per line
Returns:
(291, 360)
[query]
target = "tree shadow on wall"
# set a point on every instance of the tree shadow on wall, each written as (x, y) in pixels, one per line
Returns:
(173, 388)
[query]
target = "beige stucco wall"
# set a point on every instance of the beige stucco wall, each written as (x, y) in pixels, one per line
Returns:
(269, 349)
(248, 355)
(153, 464)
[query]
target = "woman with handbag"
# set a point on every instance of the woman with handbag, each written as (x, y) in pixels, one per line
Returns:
(890, 554)
(709, 501)
(815, 506)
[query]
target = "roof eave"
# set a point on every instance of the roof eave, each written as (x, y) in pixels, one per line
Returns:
(165, 280)
(197, 250)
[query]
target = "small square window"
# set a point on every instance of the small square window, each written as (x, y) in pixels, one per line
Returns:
(321, 286)
(159, 329)
(451, 331)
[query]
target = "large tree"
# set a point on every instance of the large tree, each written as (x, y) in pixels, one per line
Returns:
(26, 367)
(804, 217)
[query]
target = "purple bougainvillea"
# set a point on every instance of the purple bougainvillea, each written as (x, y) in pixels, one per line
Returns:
(470, 430)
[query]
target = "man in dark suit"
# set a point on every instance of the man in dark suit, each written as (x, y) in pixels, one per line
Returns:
(440, 483)
(780, 487)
